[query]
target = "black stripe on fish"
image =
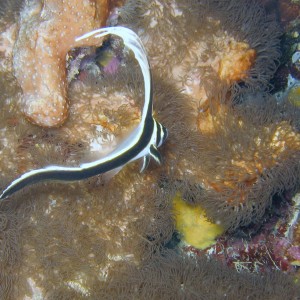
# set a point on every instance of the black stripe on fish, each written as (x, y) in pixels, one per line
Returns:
(143, 141)
(98, 167)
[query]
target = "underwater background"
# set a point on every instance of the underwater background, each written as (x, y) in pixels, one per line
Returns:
(219, 218)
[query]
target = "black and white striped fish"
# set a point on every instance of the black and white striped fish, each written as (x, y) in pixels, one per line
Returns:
(141, 143)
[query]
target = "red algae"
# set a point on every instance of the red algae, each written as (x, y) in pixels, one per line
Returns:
(271, 246)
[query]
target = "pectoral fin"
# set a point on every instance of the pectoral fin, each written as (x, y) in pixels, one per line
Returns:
(146, 160)
(107, 176)
(155, 154)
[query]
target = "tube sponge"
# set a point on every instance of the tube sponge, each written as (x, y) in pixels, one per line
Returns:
(47, 32)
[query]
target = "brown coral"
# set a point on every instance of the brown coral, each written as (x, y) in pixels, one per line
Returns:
(205, 41)
(245, 155)
(97, 239)
(171, 276)
(235, 63)
(217, 53)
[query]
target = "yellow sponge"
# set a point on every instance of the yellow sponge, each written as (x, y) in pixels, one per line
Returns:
(192, 223)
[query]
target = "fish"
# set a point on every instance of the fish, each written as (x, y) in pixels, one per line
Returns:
(143, 142)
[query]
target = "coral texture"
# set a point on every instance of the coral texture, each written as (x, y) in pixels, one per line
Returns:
(171, 276)
(232, 150)
(47, 32)
(217, 59)
(202, 38)
(236, 170)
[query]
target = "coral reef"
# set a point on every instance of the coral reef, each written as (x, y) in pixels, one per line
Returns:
(236, 171)
(10, 250)
(202, 38)
(171, 276)
(233, 149)
(235, 63)
(265, 247)
(62, 261)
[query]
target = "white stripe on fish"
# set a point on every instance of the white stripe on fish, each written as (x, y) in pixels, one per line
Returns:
(142, 142)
